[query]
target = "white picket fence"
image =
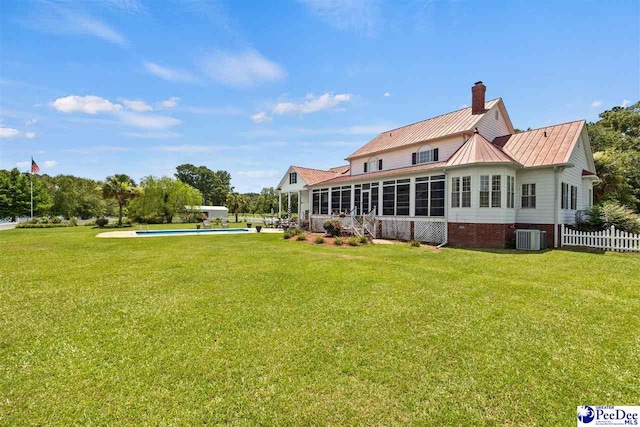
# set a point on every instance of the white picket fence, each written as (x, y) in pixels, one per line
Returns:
(610, 239)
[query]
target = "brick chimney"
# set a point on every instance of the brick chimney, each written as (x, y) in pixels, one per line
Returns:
(477, 98)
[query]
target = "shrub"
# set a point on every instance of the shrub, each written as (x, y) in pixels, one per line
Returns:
(56, 220)
(338, 241)
(353, 241)
(319, 240)
(364, 240)
(610, 213)
(286, 235)
(301, 237)
(73, 222)
(48, 225)
(101, 222)
(414, 243)
(44, 220)
(33, 221)
(333, 227)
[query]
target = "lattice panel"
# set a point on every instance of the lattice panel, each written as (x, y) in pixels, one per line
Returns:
(317, 224)
(431, 232)
(396, 230)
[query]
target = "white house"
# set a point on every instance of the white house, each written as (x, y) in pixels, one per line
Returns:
(464, 178)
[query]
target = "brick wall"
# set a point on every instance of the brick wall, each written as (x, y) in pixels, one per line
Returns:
(481, 235)
(542, 227)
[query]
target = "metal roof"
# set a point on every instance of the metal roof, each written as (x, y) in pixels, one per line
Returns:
(382, 174)
(478, 150)
(452, 123)
(311, 176)
(551, 145)
(340, 169)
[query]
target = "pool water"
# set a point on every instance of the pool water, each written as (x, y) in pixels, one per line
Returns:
(196, 231)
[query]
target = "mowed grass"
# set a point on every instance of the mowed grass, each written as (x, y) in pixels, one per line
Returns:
(252, 329)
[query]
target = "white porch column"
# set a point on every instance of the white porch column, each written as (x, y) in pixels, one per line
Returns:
(299, 205)
(280, 204)
(288, 202)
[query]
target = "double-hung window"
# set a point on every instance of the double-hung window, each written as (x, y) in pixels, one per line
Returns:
(564, 201)
(511, 187)
(455, 192)
(528, 196)
(496, 191)
(490, 191)
(293, 178)
(484, 191)
(461, 192)
(466, 191)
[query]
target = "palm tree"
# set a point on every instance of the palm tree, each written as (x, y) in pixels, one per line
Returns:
(235, 202)
(122, 188)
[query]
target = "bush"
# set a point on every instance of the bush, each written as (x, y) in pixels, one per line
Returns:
(73, 222)
(101, 222)
(338, 241)
(603, 216)
(301, 237)
(56, 220)
(414, 243)
(353, 241)
(319, 240)
(48, 225)
(364, 240)
(333, 227)
(286, 235)
(34, 221)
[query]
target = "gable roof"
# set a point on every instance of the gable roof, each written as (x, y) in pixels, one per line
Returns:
(341, 169)
(453, 123)
(551, 145)
(478, 150)
(384, 173)
(312, 176)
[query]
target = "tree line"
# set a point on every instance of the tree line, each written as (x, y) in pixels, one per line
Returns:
(152, 200)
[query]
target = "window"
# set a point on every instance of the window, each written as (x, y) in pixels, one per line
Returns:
(425, 154)
(388, 198)
(430, 196)
(316, 202)
(324, 201)
(345, 199)
(466, 191)
(528, 196)
(357, 198)
(574, 198)
(484, 191)
(335, 200)
(461, 195)
(564, 201)
(422, 197)
(496, 193)
(402, 197)
(511, 189)
(373, 165)
(293, 178)
(374, 198)
(455, 192)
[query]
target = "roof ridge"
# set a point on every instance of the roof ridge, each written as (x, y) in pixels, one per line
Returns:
(435, 117)
(313, 169)
(543, 127)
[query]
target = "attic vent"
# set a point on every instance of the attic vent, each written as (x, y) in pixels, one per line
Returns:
(545, 133)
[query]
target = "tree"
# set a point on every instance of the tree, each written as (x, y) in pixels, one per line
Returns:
(73, 196)
(163, 198)
(15, 195)
(121, 188)
(266, 201)
(235, 202)
(214, 186)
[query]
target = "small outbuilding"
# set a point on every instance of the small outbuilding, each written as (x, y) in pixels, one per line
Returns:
(212, 212)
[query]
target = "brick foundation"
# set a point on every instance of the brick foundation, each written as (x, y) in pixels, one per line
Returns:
(496, 236)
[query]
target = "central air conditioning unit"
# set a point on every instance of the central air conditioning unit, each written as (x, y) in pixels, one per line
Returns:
(531, 240)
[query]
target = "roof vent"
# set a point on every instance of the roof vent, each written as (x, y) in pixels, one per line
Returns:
(476, 130)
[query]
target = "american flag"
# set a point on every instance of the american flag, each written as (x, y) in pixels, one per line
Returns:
(34, 167)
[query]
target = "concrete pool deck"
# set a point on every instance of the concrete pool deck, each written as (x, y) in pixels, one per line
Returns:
(123, 234)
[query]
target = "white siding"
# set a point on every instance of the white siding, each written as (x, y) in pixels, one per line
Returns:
(401, 157)
(286, 187)
(489, 127)
(476, 214)
(544, 181)
(573, 177)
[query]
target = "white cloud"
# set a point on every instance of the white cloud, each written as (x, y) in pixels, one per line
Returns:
(361, 16)
(137, 105)
(261, 117)
(241, 69)
(625, 102)
(8, 132)
(311, 104)
(170, 74)
(259, 173)
(85, 104)
(29, 135)
(24, 164)
(49, 163)
(170, 103)
(231, 111)
(596, 103)
(31, 122)
(387, 94)
(152, 122)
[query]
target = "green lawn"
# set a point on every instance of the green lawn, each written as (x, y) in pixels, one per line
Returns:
(252, 329)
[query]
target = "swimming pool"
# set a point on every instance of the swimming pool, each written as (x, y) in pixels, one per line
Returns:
(197, 231)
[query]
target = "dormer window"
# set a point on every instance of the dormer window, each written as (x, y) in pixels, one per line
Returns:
(425, 154)
(373, 165)
(293, 178)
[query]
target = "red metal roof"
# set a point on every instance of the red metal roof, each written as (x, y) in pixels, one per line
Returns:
(452, 123)
(312, 176)
(382, 174)
(341, 169)
(478, 150)
(547, 146)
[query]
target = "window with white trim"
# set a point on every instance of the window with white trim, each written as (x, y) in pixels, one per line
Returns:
(466, 191)
(373, 165)
(528, 196)
(461, 192)
(429, 196)
(511, 189)
(564, 201)
(293, 178)
(574, 198)
(490, 191)
(496, 191)
(425, 154)
(455, 192)
(484, 191)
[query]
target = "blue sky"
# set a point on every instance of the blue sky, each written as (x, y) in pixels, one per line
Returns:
(139, 86)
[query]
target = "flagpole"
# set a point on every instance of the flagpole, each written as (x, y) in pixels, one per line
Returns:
(31, 187)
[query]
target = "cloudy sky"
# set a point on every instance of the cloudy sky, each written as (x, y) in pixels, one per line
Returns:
(140, 86)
